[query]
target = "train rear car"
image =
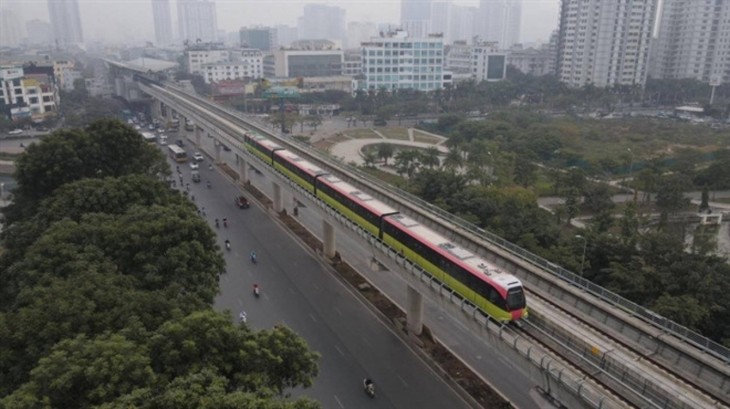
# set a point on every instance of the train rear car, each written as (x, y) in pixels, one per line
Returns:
(499, 294)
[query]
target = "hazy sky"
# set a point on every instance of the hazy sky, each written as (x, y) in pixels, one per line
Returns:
(114, 20)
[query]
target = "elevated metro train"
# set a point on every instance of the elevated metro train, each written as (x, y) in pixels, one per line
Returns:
(497, 293)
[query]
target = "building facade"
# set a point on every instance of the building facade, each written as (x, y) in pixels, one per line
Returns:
(605, 42)
(415, 17)
(352, 64)
(535, 61)
(500, 21)
(323, 22)
(359, 32)
(693, 41)
(199, 57)
(163, 22)
(489, 63)
(28, 92)
(197, 21)
(11, 32)
(263, 38)
(247, 63)
(397, 61)
(292, 63)
(65, 22)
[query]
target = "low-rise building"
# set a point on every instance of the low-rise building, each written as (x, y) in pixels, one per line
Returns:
(334, 83)
(28, 91)
(242, 63)
(489, 63)
(352, 64)
(98, 87)
(292, 63)
(397, 61)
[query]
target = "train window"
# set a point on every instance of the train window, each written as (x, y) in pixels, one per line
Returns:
(515, 299)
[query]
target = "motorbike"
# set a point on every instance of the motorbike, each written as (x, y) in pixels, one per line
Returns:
(225, 223)
(228, 245)
(256, 291)
(369, 387)
(216, 224)
(253, 257)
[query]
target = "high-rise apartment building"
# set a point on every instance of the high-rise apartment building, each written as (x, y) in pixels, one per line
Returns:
(500, 21)
(415, 17)
(197, 21)
(321, 22)
(398, 61)
(605, 42)
(10, 29)
(693, 41)
(39, 32)
(65, 22)
(163, 21)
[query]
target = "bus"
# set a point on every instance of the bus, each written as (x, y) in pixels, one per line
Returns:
(149, 138)
(177, 153)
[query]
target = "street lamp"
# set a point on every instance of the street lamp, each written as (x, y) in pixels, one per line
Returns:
(631, 167)
(583, 259)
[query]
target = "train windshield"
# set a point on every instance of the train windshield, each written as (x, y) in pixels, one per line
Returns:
(515, 299)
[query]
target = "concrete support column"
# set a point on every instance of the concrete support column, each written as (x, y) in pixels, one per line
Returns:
(218, 149)
(414, 312)
(329, 239)
(156, 110)
(278, 203)
(242, 169)
(198, 131)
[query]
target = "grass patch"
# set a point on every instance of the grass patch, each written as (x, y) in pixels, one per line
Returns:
(395, 133)
(360, 133)
(419, 136)
(9, 156)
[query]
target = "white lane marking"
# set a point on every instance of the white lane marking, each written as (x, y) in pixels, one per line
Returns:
(338, 402)
(313, 317)
(337, 311)
(402, 380)
(339, 350)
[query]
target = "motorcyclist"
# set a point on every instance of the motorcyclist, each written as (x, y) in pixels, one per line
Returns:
(207, 183)
(369, 386)
(228, 244)
(216, 223)
(225, 222)
(253, 256)
(256, 290)
(242, 316)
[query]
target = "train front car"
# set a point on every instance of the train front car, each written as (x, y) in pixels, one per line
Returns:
(261, 147)
(296, 168)
(358, 206)
(497, 294)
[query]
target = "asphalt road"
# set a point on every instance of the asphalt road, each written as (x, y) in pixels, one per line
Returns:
(298, 291)
(481, 356)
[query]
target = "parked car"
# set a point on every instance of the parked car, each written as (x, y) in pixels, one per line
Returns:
(15, 132)
(242, 202)
(198, 157)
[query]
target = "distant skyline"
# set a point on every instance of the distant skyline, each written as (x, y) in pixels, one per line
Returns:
(132, 19)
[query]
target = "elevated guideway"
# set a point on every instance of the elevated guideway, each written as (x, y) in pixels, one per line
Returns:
(692, 358)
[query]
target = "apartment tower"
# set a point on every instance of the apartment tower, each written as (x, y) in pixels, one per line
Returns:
(163, 21)
(65, 22)
(605, 42)
(693, 41)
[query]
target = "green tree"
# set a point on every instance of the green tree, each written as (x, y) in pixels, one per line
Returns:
(670, 193)
(83, 372)
(430, 157)
(385, 151)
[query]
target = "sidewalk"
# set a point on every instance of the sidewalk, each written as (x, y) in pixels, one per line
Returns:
(350, 151)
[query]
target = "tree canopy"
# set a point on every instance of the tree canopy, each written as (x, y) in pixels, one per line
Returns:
(106, 291)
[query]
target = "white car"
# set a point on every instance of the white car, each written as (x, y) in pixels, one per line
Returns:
(194, 165)
(198, 157)
(15, 132)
